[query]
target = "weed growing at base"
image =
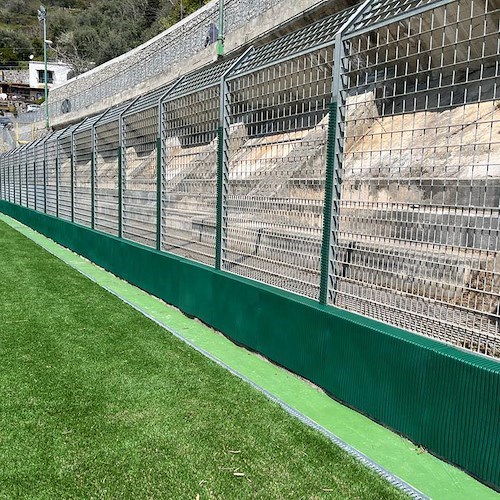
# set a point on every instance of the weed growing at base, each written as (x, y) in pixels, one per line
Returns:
(98, 401)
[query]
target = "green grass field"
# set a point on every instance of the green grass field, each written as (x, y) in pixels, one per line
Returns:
(99, 402)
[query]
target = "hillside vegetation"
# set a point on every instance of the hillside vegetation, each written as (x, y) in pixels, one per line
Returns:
(85, 32)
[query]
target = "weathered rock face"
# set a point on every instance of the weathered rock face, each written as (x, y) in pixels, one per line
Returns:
(424, 150)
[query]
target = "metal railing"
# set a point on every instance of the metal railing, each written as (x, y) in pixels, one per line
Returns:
(179, 42)
(355, 161)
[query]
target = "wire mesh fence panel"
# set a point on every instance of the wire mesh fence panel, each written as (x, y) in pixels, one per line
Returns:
(15, 177)
(277, 161)
(22, 176)
(40, 176)
(106, 183)
(64, 152)
(419, 219)
(6, 187)
(11, 178)
(30, 175)
(8, 175)
(19, 175)
(139, 157)
(4, 180)
(416, 150)
(188, 224)
(190, 36)
(51, 173)
(82, 176)
(5, 177)
(2, 177)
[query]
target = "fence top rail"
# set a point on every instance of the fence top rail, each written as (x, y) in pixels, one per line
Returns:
(68, 131)
(149, 100)
(115, 112)
(202, 79)
(88, 123)
(36, 142)
(145, 50)
(381, 13)
(50, 137)
(55, 135)
(304, 40)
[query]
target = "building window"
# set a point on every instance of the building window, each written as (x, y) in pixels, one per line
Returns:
(41, 76)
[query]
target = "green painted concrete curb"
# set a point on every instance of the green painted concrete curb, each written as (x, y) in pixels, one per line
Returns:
(423, 471)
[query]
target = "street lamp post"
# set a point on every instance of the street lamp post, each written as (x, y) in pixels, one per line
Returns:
(220, 34)
(42, 16)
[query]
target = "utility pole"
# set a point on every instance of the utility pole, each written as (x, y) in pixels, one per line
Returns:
(220, 34)
(42, 16)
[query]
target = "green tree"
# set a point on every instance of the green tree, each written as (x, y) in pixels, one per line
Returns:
(14, 46)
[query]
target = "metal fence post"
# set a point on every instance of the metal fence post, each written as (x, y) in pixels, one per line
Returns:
(12, 181)
(20, 177)
(334, 165)
(57, 177)
(45, 175)
(72, 176)
(120, 191)
(26, 175)
(159, 190)
(4, 176)
(34, 176)
(2, 166)
(8, 178)
(222, 187)
(92, 177)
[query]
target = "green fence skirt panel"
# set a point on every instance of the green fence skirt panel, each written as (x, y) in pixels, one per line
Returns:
(442, 398)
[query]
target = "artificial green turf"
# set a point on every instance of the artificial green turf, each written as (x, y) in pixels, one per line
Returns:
(99, 402)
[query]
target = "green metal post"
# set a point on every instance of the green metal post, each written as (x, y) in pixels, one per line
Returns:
(20, 180)
(57, 185)
(45, 178)
(92, 190)
(45, 72)
(26, 179)
(120, 192)
(220, 187)
(158, 193)
(327, 210)
(34, 179)
(8, 180)
(13, 180)
(72, 187)
(220, 34)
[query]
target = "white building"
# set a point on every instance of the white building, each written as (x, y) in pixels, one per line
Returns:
(57, 73)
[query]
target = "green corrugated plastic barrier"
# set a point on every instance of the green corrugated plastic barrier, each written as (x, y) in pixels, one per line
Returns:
(442, 398)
